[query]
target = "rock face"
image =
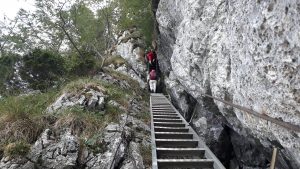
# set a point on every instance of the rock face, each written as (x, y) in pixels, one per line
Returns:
(120, 146)
(109, 79)
(245, 52)
(48, 152)
(131, 73)
(117, 146)
(91, 98)
(129, 47)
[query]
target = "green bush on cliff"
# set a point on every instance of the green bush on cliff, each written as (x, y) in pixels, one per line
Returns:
(7, 63)
(78, 66)
(42, 69)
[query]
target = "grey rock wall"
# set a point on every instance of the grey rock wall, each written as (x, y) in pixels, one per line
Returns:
(130, 47)
(246, 52)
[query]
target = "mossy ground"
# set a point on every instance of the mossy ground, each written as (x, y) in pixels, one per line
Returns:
(25, 117)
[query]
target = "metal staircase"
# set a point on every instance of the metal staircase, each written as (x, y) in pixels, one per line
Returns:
(174, 143)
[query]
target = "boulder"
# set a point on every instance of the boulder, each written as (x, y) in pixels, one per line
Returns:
(88, 97)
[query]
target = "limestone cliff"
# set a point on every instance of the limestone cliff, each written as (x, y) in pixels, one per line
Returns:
(245, 52)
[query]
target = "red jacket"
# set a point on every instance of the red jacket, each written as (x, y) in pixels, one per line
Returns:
(153, 75)
(151, 56)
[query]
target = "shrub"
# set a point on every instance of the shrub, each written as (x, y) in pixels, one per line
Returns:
(42, 69)
(7, 63)
(136, 13)
(82, 66)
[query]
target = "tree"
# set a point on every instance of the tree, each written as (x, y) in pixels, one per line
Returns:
(7, 63)
(136, 13)
(42, 69)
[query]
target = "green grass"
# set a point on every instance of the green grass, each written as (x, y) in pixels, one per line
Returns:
(24, 117)
(81, 122)
(146, 154)
(16, 149)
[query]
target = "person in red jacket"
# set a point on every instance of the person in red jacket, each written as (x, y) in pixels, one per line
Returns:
(152, 81)
(151, 60)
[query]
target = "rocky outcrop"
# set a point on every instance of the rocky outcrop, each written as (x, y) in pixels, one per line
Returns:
(131, 73)
(118, 145)
(89, 97)
(245, 52)
(48, 151)
(111, 80)
(130, 47)
(122, 145)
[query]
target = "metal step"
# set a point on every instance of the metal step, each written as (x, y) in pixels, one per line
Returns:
(162, 102)
(185, 163)
(163, 111)
(180, 152)
(169, 124)
(166, 120)
(173, 135)
(171, 129)
(166, 110)
(165, 114)
(176, 143)
(166, 117)
(162, 106)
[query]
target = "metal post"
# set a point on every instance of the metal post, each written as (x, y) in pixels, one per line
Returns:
(274, 157)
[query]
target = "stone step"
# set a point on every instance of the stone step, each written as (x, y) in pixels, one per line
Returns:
(168, 124)
(180, 152)
(171, 129)
(185, 163)
(173, 135)
(176, 143)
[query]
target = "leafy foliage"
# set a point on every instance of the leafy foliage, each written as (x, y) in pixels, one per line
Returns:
(82, 66)
(7, 63)
(42, 69)
(136, 13)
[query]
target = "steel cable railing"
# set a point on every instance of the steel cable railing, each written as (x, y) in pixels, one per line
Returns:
(284, 124)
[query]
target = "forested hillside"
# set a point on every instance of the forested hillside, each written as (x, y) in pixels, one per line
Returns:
(65, 38)
(68, 98)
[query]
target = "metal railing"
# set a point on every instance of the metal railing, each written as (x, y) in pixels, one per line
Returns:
(284, 124)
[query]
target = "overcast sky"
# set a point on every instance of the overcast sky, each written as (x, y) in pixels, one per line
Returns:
(10, 8)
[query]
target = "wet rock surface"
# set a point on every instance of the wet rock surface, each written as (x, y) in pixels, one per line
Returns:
(245, 52)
